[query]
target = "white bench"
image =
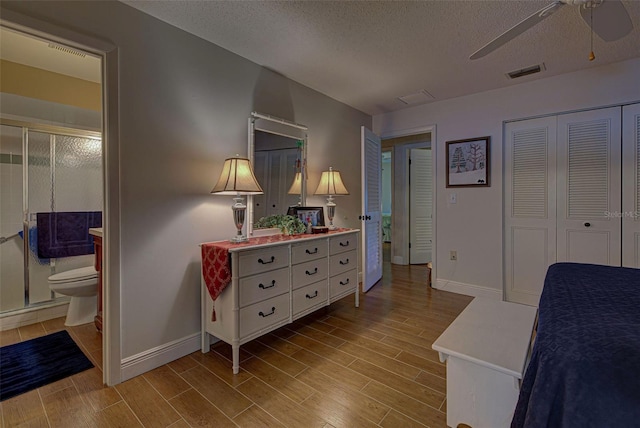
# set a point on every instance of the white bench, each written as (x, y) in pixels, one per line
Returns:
(486, 349)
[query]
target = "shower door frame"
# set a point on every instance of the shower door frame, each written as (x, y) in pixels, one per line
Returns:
(52, 130)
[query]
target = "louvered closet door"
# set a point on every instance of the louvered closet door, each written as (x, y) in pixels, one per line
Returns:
(589, 180)
(631, 186)
(530, 207)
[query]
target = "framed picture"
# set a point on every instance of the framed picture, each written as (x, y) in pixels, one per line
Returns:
(468, 162)
(315, 215)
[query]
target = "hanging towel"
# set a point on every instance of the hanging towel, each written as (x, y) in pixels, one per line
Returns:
(33, 245)
(66, 234)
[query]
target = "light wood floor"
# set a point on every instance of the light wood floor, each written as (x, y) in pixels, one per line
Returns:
(339, 367)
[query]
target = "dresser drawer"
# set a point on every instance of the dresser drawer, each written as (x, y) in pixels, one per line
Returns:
(263, 260)
(341, 283)
(306, 251)
(343, 262)
(340, 244)
(264, 314)
(308, 272)
(263, 286)
(309, 296)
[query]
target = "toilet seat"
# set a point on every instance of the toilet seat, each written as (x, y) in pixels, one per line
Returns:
(74, 275)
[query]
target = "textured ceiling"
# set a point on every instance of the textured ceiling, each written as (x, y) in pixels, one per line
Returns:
(368, 53)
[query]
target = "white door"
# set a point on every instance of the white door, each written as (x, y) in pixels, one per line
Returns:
(588, 190)
(631, 186)
(530, 207)
(371, 209)
(420, 206)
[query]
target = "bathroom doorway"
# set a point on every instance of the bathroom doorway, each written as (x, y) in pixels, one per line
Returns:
(50, 161)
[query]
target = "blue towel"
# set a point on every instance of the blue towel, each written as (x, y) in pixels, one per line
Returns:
(33, 245)
(66, 234)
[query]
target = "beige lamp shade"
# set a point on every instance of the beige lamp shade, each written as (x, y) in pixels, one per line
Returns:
(237, 178)
(296, 186)
(331, 184)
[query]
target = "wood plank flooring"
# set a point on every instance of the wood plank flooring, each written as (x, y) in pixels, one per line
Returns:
(342, 366)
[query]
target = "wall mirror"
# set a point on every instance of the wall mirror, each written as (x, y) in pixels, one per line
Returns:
(278, 151)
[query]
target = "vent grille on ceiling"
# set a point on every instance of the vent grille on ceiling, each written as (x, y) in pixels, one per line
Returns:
(526, 71)
(67, 50)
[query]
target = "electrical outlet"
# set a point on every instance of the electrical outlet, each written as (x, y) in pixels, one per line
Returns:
(453, 255)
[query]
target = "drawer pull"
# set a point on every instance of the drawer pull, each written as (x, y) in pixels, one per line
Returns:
(262, 262)
(264, 287)
(344, 244)
(314, 296)
(344, 283)
(273, 311)
(315, 251)
(345, 262)
(315, 271)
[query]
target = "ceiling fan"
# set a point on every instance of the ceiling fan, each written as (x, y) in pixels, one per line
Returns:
(607, 18)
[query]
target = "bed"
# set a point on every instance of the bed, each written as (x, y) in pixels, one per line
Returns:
(585, 364)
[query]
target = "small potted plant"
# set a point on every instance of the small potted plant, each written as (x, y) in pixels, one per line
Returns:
(288, 224)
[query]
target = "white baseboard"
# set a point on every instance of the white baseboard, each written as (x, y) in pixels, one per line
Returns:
(30, 316)
(156, 357)
(467, 289)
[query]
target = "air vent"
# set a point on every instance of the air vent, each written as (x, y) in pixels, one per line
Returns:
(419, 97)
(526, 71)
(67, 50)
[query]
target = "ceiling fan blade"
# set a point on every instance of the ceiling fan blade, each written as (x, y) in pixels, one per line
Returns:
(518, 29)
(611, 21)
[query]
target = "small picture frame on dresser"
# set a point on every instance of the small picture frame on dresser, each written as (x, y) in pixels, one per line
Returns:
(313, 215)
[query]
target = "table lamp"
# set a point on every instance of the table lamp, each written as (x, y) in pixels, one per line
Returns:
(237, 179)
(330, 185)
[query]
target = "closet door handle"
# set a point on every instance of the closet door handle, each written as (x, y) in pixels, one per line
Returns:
(262, 262)
(587, 224)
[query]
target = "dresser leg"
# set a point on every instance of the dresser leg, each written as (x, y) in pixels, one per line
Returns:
(235, 350)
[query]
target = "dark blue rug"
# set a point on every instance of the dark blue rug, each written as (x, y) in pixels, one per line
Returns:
(37, 362)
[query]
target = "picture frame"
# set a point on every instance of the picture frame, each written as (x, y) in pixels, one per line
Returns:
(306, 214)
(468, 162)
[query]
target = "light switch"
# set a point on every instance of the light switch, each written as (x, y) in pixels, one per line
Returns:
(453, 198)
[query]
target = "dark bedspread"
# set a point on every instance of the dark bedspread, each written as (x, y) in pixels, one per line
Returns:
(585, 365)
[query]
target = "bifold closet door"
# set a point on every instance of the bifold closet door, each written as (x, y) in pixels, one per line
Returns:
(630, 213)
(530, 207)
(589, 187)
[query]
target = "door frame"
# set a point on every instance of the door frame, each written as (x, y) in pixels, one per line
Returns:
(111, 348)
(404, 257)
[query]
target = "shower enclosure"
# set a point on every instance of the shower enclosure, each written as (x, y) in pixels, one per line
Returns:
(43, 169)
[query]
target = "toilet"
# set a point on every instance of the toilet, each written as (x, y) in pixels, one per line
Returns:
(82, 286)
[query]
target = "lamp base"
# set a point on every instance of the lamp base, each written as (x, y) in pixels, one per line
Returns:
(238, 239)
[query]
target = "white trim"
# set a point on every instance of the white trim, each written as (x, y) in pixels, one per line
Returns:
(158, 356)
(468, 289)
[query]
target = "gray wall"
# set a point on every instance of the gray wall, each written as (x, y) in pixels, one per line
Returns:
(183, 108)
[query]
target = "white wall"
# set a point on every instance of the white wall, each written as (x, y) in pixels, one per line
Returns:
(473, 226)
(183, 108)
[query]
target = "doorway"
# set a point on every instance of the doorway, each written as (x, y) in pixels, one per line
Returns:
(409, 233)
(77, 45)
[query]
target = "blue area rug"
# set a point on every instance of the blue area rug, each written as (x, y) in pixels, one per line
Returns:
(37, 362)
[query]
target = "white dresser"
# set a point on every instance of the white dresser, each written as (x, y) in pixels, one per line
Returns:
(276, 280)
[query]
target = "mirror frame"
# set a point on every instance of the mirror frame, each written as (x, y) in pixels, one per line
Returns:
(251, 154)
